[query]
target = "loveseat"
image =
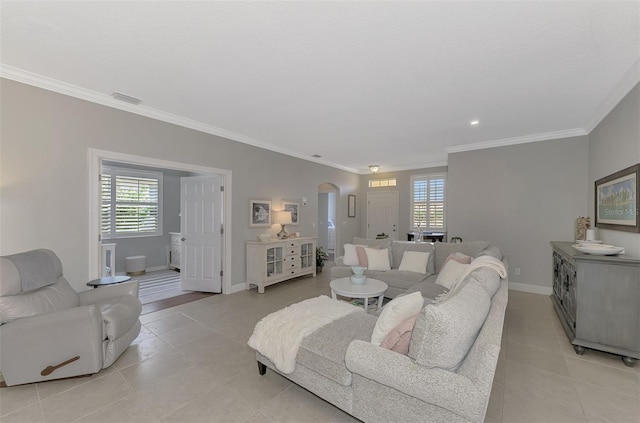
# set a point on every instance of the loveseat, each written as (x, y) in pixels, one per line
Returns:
(400, 281)
(446, 374)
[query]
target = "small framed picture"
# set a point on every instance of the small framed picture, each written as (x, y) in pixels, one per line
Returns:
(260, 213)
(294, 208)
(351, 206)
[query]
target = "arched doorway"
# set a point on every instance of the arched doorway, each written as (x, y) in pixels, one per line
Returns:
(328, 228)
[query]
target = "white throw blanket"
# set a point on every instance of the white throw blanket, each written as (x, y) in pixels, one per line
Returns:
(278, 336)
(482, 261)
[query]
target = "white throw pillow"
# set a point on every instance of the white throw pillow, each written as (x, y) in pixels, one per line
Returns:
(394, 313)
(350, 255)
(414, 261)
(378, 259)
(451, 274)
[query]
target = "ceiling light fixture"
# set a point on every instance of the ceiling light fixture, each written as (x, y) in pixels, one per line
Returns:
(374, 168)
(474, 122)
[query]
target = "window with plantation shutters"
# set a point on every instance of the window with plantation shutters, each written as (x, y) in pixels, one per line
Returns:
(131, 203)
(428, 202)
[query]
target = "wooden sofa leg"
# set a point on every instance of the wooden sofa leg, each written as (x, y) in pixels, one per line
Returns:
(262, 369)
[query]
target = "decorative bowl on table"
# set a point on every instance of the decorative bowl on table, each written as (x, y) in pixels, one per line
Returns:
(358, 278)
(264, 237)
(598, 249)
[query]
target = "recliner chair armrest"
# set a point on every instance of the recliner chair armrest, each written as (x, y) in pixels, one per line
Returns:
(93, 296)
(439, 387)
(66, 334)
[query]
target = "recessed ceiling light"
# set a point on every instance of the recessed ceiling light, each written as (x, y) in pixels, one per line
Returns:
(474, 122)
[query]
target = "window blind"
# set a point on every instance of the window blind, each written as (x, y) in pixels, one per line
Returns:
(131, 203)
(428, 202)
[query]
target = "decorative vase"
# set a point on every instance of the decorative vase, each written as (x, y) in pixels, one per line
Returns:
(358, 279)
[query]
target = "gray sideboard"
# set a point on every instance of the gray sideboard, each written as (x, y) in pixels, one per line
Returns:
(598, 300)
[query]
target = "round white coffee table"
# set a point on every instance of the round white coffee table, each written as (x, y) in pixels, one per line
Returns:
(371, 288)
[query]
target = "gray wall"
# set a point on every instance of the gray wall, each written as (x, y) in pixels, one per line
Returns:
(44, 173)
(615, 145)
(519, 198)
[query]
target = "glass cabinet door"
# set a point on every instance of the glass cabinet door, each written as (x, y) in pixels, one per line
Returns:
(274, 258)
(307, 255)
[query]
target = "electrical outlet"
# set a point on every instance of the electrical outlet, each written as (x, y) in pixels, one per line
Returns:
(517, 271)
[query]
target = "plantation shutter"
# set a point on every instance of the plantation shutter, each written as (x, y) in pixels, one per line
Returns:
(428, 202)
(131, 203)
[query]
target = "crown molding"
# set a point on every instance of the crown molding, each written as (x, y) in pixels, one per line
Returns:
(629, 80)
(50, 84)
(567, 133)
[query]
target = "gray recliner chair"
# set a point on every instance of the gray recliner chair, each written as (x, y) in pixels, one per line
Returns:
(49, 331)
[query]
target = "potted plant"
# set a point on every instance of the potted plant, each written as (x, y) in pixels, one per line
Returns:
(321, 257)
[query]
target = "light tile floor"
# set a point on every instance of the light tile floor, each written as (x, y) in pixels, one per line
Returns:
(191, 364)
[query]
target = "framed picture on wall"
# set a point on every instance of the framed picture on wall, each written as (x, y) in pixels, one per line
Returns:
(294, 208)
(617, 203)
(351, 205)
(260, 213)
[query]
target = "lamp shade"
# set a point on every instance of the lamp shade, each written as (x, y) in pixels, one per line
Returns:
(283, 217)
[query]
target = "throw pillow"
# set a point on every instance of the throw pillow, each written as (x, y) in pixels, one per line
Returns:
(362, 256)
(414, 261)
(394, 313)
(451, 274)
(459, 257)
(399, 338)
(350, 255)
(378, 259)
(444, 333)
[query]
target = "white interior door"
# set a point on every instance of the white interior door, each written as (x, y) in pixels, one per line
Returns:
(200, 225)
(382, 214)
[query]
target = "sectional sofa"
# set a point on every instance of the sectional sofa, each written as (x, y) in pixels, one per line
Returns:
(447, 373)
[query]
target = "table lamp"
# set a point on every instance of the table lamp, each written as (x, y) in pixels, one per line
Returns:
(283, 218)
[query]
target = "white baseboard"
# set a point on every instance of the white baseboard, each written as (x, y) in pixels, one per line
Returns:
(533, 289)
(237, 288)
(153, 269)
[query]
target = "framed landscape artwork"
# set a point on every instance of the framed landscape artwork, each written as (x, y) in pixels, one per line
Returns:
(616, 200)
(294, 208)
(260, 213)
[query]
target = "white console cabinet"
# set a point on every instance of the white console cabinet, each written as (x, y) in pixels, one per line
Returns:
(279, 260)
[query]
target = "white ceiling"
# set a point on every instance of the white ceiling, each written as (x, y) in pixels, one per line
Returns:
(391, 83)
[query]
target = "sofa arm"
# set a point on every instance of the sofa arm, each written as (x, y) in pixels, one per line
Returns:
(439, 387)
(64, 334)
(102, 293)
(339, 261)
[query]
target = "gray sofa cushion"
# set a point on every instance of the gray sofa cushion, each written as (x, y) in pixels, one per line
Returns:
(323, 351)
(445, 332)
(399, 247)
(443, 249)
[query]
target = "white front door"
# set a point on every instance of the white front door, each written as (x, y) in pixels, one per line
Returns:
(200, 225)
(382, 214)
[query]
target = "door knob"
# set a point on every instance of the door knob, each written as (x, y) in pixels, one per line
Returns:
(183, 239)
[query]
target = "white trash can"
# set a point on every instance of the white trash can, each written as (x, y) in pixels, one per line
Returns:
(136, 265)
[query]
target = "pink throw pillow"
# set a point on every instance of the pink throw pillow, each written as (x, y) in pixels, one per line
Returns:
(399, 338)
(362, 256)
(459, 257)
